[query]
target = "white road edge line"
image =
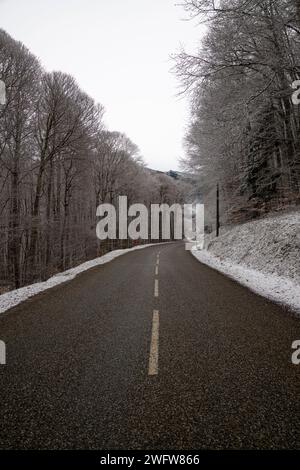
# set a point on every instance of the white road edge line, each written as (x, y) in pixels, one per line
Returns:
(156, 288)
(153, 358)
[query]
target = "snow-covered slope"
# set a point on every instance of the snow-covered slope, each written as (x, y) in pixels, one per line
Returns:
(264, 255)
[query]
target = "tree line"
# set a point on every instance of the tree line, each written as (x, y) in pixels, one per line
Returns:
(58, 162)
(244, 129)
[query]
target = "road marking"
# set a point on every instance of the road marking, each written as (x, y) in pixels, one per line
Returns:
(156, 270)
(153, 358)
(156, 288)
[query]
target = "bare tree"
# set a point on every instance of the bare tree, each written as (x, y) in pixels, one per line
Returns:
(244, 131)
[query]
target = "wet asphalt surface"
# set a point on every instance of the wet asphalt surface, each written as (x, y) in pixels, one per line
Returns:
(77, 362)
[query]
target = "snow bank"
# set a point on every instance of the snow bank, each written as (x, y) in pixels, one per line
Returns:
(263, 255)
(15, 297)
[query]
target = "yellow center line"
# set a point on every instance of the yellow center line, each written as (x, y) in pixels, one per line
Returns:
(156, 288)
(153, 358)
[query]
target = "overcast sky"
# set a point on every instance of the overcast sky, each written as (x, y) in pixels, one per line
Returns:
(119, 52)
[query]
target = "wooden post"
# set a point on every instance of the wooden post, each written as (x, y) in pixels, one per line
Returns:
(218, 212)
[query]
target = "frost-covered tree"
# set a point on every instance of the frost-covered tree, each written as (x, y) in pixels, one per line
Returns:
(244, 131)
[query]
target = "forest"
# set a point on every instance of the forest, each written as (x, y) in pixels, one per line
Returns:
(58, 162)
(244, 128)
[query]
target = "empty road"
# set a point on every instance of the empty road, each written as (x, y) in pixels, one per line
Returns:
(151, 351)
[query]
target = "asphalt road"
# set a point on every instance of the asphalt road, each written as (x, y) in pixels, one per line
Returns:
(219, 357)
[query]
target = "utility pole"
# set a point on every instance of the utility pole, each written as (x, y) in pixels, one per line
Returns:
(218, 212)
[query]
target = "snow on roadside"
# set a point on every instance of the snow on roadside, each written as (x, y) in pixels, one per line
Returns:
(15, 297)
(263, 255)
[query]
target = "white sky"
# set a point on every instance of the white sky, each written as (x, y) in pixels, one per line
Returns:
(119, 52)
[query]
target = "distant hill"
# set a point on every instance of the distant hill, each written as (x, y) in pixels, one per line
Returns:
(176, 175)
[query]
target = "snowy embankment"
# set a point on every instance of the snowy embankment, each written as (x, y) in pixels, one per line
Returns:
(263, 255)
(15, 297)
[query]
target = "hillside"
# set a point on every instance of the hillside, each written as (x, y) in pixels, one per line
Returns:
(264, 255)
